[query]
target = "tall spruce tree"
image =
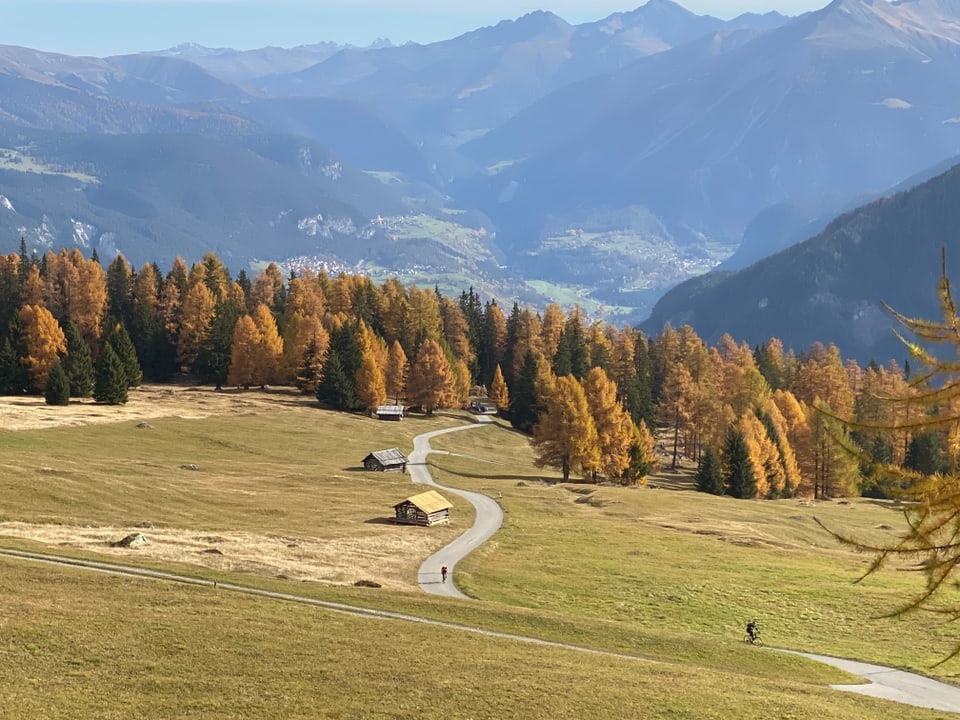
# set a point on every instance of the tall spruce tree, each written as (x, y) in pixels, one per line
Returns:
(119, 339)
(213, 362)
(120, 290)
(740, 480)
(925, 454)
(709, 473)
(14, 378)
(335, 389)
(78, 363)
(57, 391)
(111, 381)
(524, 403)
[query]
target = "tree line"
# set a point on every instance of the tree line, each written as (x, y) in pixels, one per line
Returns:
(757, 422)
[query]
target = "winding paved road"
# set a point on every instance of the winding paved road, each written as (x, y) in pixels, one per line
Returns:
(897, 685)
(488, 519)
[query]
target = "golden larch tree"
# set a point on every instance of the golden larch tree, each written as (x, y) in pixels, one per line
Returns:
(266, 289)
(44, 341)
(499, 393)
(615, 429)
(196, 315)
(303, 298)
(396, 375)
(340, 299)
(763, 456)
(370, 387)
(565, 437)
(423, 319)
(455, 330)
(32, 288)
(244, 354)
(800, 438)
(86, 296)
(788, 459)
(431, 381)
(270, 347)
(676, 400)
(394, 311)
(551, 329)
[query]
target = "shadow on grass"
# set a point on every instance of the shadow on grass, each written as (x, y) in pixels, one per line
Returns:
(487, 476)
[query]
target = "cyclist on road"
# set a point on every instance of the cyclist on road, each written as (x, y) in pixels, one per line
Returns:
(443, 574)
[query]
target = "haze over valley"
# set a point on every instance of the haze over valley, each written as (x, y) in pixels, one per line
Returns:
(535, 160)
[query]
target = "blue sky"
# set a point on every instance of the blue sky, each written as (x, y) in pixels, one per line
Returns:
(96, 27)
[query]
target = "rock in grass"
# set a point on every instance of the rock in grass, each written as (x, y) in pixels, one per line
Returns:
(134, 540)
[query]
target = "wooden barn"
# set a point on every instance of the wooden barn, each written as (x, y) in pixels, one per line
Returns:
(381, 460)
(390, 412)
(429, 508)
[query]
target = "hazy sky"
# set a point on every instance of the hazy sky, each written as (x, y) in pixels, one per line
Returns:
(98, 27)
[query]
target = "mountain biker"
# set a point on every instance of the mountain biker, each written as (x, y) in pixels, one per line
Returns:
(753, 632)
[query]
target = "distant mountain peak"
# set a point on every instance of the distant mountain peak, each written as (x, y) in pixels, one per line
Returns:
(526, 27)
(664, 6)
(536, 21)
(876, 23)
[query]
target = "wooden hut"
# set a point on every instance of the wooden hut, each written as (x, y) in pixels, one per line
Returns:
(381, 460)
(390, 412)
(429, 508)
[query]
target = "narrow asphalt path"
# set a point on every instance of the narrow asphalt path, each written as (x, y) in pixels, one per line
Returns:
(489, 518)
(891, 684)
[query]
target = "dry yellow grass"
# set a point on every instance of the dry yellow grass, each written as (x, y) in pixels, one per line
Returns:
(270, 494)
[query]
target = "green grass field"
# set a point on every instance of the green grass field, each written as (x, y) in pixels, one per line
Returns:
(666, 575)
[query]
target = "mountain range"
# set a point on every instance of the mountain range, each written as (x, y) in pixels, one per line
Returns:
(832, 287)
(599, 163)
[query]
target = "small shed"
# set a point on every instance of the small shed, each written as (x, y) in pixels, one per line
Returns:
(390, 412)
(429, 508)
(381, 460)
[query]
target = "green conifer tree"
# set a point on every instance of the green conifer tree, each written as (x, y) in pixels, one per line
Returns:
(111, 381)
(14, 378)
(57, 391)
(740, 481)
(78, 363)
(122, 345)
(925, 454)
(709, 473)
(213, 362)
(524, 404)
(335, 389)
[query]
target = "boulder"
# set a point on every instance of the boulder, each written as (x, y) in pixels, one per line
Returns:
(134, 540)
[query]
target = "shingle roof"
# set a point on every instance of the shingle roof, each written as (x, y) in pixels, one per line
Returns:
(389, 457)
(429, 502)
